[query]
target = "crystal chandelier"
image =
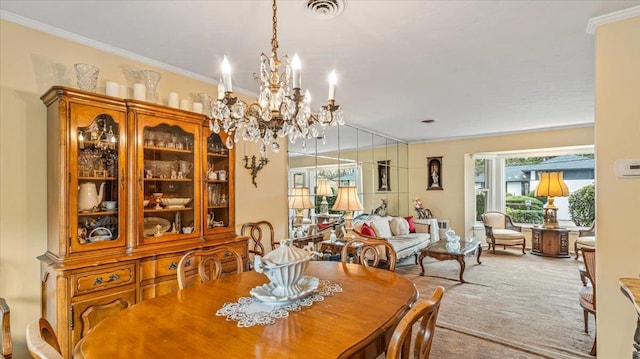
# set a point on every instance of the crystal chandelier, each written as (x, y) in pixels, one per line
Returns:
(282, 110)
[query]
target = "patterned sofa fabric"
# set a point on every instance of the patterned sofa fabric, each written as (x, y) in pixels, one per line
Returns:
(405, 244)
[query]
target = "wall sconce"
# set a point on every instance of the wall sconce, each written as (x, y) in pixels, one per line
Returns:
(255, 166)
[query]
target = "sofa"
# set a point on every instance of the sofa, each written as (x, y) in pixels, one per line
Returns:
(395, 230)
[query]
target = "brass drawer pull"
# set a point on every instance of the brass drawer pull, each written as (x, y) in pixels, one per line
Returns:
(112, 278)
(174, 265)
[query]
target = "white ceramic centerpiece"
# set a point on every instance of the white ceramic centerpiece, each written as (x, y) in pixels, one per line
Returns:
(285, 267)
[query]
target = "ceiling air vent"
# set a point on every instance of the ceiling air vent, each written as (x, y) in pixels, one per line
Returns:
(325, 9)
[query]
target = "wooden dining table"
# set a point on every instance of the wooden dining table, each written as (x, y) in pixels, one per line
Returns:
(354, 323)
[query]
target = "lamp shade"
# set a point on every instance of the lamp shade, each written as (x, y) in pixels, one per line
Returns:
(347, 200)
(299, 198)
(324, 188)
(552, 185)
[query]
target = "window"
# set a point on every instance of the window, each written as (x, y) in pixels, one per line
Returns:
(506, 181)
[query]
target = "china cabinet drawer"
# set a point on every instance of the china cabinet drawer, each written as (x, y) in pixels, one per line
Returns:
(165, 287)
(101, 279)
(163, 266)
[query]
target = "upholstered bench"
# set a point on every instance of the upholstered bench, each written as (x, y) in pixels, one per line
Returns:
(395, 230)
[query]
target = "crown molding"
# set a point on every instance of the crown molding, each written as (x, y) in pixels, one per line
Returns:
(36, 25)
(594, 22)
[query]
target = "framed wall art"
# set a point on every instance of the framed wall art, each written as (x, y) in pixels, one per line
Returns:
(384, 171)
(434, 173)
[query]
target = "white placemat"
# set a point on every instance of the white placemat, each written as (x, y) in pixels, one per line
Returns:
(249, 311)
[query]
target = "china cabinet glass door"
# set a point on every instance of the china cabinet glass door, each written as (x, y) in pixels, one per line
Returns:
(169, 186)
(98, 163)
(219, 213)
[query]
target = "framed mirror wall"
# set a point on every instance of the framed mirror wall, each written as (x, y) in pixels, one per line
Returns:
(348, 156)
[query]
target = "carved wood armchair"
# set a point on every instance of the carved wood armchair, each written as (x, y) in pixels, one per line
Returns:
(210, 266)
(586, 239)
(371, 252)
(499, 229)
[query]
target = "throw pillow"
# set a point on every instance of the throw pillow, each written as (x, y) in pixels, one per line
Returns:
(366, 230)
(381, 226)
(399, 226)
(412, 225)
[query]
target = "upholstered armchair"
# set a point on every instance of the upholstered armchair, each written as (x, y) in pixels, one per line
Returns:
(586, 239)
(499, 229)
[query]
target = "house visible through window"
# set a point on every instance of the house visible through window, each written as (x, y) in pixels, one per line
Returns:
(506, 182)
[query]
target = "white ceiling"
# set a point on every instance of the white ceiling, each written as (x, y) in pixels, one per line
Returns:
(476, 67)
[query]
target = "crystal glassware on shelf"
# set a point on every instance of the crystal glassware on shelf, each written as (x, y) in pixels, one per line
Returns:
(207, 102)
(87, 76)
(151, 79)
(156, 197)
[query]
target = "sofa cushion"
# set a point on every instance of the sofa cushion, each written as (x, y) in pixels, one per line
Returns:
(412, 226)
(408, 244)
(399, 226)
(586, 241)
(381, 226)
(366, 230)
(507, 234)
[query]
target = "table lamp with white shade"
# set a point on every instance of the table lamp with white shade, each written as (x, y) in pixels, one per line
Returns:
(324, 190)
(347, 201)
(299, 200)
(551, 185)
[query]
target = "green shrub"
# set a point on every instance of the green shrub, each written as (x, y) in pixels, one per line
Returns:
(542, 199)
(525, 209)
(582, 206)
(520, 202)
(525, 216)
(481, 205)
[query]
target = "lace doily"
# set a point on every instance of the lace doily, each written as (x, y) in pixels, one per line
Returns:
(249, 311)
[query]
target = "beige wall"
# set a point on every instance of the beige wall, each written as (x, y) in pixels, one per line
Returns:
(617, 133)
(30, 63)
(450, 202)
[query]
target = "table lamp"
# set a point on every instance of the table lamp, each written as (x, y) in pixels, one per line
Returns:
(324, 190)
(299, 201)
(551, 185)
(347, 201)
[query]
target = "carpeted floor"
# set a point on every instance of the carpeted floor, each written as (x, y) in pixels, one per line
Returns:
(512, 306)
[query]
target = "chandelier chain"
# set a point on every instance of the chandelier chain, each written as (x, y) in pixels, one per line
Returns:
(274, 39)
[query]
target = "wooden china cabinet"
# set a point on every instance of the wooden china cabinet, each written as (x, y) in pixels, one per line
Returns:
(132, 187)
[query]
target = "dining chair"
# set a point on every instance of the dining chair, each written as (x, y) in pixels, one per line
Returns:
(586, 238)
(499, 229)
(587, 294)
(210, 264)
(255, 231)
(370, 252)
(42, 341)
(7, 348)
(425, 311)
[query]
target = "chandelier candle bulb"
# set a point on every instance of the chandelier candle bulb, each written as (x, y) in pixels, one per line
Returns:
(296, 66)
(226, 75)
(112, 89)
(333, 80)
(173, 100)
(139, 92)
(220, 90)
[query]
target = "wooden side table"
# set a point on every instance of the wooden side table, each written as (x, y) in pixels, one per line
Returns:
(550, 242)
(630, 287)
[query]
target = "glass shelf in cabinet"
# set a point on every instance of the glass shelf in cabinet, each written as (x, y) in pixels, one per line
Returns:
(153, 210)
(93, 178)
(169, 179)
(165, 149)
(97, 213)
(220, 155)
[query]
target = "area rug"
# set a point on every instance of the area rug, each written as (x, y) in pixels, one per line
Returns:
(512, 306)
